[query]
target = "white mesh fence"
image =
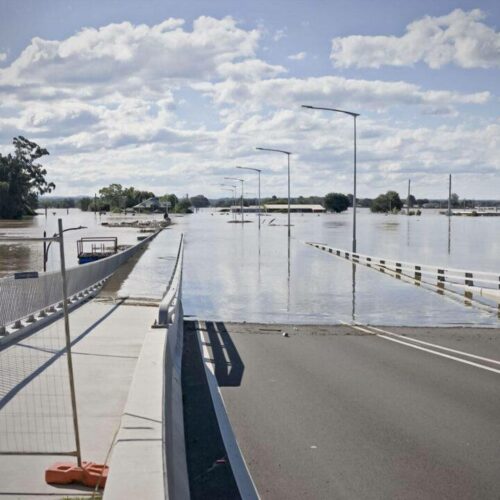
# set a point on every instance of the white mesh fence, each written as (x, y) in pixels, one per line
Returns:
(21, 297)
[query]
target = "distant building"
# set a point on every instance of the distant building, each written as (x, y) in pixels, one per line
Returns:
(152, 205)
(276, 208)
(270, 208)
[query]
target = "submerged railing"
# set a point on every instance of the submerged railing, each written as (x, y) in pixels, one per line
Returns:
(31, 296)
(479, 283)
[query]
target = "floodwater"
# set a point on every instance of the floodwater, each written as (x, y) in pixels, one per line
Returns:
(236, 272)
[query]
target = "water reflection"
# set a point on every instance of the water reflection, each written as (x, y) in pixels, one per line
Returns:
(449, 235)
(354, 292)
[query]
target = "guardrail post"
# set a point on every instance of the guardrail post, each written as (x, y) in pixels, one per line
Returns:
(440, 278)
(398, 270)
(469, 282)
(418, 273)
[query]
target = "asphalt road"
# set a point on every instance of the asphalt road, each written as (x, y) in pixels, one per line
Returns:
(335, 412)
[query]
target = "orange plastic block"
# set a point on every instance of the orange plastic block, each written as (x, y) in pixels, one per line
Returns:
(89, 474)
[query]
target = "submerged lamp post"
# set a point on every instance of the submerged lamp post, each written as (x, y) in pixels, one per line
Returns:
(258, 171)
(288, 153)
(242, 181)
(354, 115)
(230, 187)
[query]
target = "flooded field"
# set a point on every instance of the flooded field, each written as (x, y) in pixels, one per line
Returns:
(237, 272)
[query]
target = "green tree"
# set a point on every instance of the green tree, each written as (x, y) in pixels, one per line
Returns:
(199, 201)
(84, 203)
(183, 207)
(22, 180)
(336, 202)
(388, 202)
(455, 200)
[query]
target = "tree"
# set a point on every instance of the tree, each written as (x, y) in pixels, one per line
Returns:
(455, 200)
(199, 201)
(412, 201)
(84, 203)
(336, 202)
(388, 202)
(22, 180)
(183, 207)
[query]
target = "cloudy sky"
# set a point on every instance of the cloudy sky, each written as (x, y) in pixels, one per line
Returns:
(172, 95)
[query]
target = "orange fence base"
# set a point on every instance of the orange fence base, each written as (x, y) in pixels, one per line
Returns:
(89, 474)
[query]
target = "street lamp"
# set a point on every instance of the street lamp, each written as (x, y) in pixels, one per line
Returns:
(354, 115)
(288, 155)
(258, 171)
(242, 181)
(230, 187)
(46, 247)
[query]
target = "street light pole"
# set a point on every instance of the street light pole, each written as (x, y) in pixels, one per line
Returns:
(288, 153)
(258, 171)
(46, 247)
(242, 181)
(355, 116)
(231, 188)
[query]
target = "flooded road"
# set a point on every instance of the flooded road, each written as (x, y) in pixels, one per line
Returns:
(235, 272)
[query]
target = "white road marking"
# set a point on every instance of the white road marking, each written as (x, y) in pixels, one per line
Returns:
(408, 343)
(489, 360)
(460, 360)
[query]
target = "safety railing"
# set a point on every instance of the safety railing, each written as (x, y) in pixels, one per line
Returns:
(482, 283)
(38, 294)
(173, 290)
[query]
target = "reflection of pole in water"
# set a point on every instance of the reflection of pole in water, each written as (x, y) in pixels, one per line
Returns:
(408, 232)
(288, 279)
(449, 235)
(354, 292)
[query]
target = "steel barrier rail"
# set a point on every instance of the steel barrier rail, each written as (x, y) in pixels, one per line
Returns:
(415, 272)
(443, 274)
(22, 298)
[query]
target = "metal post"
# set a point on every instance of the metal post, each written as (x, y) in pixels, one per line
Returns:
(242, 218)
(68, 344)
(95, 204)
(449, 197)
(288, 155)
(44, 252)
(408, 198)
(259, 197)
(354, 198)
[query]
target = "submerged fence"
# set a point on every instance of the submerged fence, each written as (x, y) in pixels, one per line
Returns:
(443, 280)
(22, 298)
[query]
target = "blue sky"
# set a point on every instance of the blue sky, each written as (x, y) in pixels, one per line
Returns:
(171, 96)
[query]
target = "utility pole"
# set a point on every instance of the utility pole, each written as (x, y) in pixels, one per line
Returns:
(95, 204)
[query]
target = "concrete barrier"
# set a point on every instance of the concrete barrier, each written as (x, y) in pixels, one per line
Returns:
(149, 456)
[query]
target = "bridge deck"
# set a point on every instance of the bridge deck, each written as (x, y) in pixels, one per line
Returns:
(334, 412)
(104, 361)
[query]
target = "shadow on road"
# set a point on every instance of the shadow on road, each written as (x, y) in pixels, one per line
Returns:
(228, 364)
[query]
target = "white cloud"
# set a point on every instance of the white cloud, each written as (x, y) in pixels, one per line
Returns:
(132, 56)
(166, 104)
(458, 38)
(370, 95)
(298, 57)
(3, 56)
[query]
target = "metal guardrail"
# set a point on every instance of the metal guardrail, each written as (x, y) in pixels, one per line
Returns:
(483, 283)
(173, 290)
(21, 298)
